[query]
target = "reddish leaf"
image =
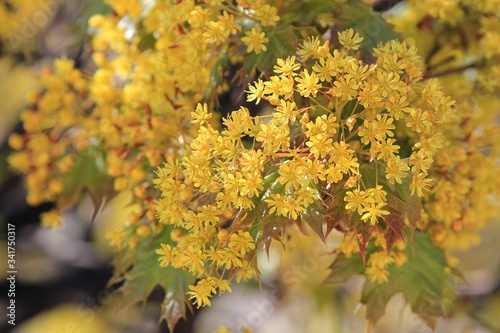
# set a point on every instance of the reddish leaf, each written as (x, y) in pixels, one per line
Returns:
(336, 214)
(315, 217)
(396, 226)
(363, 233)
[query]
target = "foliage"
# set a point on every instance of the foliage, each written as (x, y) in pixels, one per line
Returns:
(364, 129)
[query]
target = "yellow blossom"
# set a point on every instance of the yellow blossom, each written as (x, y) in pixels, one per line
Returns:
(350, 40)
(255, 40)
(52, 219)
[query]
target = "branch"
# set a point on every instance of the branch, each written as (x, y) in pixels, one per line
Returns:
(428, 75)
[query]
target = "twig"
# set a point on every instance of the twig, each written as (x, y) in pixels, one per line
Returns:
(428, 75)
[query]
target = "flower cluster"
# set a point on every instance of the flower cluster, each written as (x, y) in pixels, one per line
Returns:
(56, 132)
(144, 96)
(154, 64)
(364, 141)
(380, 260)
(22, 22)
(333, 115)
(464, 195)
(138, 100)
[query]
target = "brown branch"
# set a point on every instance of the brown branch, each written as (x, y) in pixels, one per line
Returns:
(428, 75)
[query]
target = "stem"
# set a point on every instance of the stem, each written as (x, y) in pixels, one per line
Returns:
(320, 105)
(353, 133)
(237, 12)
(355, 107)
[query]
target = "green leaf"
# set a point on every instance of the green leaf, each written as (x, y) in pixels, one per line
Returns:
(89, 175)
(147, 41)
(173, 308)
(423, 280)
(269, 183)
(282, 43)
(141, 273)
(216, 76)
(90, 8)
(344, 268)
(361, 17)
(306, 11)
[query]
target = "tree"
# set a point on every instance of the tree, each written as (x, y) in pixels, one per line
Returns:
(378, 126)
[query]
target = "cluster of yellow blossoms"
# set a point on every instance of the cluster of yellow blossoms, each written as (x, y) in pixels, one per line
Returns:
(23, 21)
(333, 115)
(148, 83)
(381, 259)
(464, 195)
(138, 100)
(55, 131)
(351, 143)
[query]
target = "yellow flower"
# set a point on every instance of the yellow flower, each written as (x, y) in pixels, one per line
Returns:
(396, 169)
(382, 127)
(231, 259)
(216, 33)
(377, 275)
(420, 183)
(165, 255)
(357, 200)
(143, 230)
(373, 212)
(245, 273)
(255, 92)
(377, 267)
(202, 292)
(115, 237)
(52, 219)
(345, 88)
(308, 83)
(254, 40)
(20, 161)
(16, 141)
(199, 16)
(276, 203)
(252, 161)
(349, 244)
(286, 67)
(200, 115)
(321, 145)
(266, 14)
(309, 48)
(400, 258)
(293, 207)
(350, 40)
(227, 21)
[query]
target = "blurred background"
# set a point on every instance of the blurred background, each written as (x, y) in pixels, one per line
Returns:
(62, 280)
